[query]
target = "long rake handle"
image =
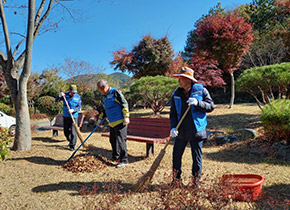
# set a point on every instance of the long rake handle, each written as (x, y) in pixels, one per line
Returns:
(178, 125)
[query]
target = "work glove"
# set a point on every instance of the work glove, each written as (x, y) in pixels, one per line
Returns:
(173, 133)
(126, 120)
(99, 122)
(61, 94)
(192, 101)
(71, 111)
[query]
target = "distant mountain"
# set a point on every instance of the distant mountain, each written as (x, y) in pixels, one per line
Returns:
(117, 78)
(120, 78)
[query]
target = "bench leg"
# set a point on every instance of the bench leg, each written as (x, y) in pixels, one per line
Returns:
(54, 133)
(149, 149)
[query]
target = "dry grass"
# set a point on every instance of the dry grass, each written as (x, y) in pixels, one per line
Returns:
(36, 179)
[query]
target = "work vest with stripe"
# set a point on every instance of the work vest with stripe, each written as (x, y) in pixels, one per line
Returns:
(113, 109)
(73, 103)
(199, 118)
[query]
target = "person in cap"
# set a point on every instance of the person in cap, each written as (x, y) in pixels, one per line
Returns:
(117, 112)
(74, 101)
(193, 128)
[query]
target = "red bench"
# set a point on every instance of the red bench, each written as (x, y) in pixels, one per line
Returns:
(58, 124)
(147, 130)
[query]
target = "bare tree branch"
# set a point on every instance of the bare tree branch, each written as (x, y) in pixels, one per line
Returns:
(17, 46)
(38, 14)
(38, 25)
(6, 31)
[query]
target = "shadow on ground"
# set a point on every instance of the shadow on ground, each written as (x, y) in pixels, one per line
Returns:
(106, 154)
(240, 154)
(41, 160)
(233, 121)
(47, 139)
(78, 186)
(275, 196)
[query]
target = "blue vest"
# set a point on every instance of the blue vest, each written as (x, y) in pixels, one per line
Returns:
(199, 118)
(72, 102)
(112, 108)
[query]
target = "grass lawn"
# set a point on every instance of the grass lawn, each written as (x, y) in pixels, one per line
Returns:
(36, 179)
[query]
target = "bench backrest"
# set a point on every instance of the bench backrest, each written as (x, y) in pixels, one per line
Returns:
(59, 120)
(151, 127)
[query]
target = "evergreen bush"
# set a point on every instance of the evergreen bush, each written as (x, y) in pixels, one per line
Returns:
(275, 118)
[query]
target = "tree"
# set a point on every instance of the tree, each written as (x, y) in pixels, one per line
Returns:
(266, 83)
(190, 45)
(2, 84)
(72, 69)
(224, 39)
(48, 106)
(155, 91)
(17, 69)
(175, 65)
(207, 72)
(150, 57)
(51, 82)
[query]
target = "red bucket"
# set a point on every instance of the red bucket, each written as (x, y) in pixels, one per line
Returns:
(242, 187)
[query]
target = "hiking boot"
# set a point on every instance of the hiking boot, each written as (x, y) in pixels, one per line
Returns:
(121, 164)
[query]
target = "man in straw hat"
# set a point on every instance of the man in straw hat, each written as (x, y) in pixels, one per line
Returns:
(192, 129)
(74, 101)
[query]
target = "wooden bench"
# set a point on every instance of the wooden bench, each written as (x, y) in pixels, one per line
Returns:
(58, 124)
(147, 130)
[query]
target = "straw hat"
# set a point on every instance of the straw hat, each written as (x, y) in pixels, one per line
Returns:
(186, 72)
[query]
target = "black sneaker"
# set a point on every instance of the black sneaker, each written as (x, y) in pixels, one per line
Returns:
(121, 164)
(114, 159)
(71, 148)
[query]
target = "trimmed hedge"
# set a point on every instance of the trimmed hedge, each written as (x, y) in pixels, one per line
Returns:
(275, 118)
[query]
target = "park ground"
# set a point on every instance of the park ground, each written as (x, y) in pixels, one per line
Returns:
(36, 179)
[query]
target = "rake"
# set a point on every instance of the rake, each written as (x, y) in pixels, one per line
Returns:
(85, 141)
(146, 178)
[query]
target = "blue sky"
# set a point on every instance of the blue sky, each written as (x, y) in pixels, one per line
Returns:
(113, 24)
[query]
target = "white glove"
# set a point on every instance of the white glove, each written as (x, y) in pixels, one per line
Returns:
(173, 133)
(192, 101)
(99, 122)
(126, 120)
(71, 111)
(61, 94)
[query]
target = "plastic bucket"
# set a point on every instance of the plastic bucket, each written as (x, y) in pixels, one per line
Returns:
(242, 187)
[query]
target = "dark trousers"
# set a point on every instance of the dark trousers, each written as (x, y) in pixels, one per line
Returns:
(178, 150)
(70, 131)
(118, 138)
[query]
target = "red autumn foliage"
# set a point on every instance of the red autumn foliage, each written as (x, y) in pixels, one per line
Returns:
(176, 65)
(206, 72)
(224, 39)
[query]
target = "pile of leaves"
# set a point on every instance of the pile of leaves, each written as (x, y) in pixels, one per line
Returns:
(85, 163)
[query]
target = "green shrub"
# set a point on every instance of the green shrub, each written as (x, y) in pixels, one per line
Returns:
(275, 118)
(265, 83)
(5, 138)
(6, 109)
(47, 105)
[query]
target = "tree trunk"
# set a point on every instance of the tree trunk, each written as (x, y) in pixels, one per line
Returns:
(23, 131)
(232, 90)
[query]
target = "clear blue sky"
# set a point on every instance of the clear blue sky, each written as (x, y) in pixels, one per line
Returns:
(113, 24)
